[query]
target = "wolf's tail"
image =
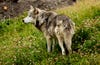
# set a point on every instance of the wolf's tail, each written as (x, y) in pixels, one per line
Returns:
(72, 27)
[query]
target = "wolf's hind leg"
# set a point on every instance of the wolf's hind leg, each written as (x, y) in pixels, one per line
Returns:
(68, 42)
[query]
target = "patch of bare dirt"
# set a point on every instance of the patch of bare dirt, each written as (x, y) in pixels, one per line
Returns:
(13, 8)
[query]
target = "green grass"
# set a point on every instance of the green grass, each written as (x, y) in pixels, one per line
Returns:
(82, 10)
(23, 44)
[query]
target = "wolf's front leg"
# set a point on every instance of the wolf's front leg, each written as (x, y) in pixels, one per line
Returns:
(48, 39)
(53, 44)
(48, 44)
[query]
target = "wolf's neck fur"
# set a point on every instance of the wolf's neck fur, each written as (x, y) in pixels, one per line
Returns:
(45, 19)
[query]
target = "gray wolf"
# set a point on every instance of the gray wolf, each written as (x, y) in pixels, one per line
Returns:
(53, 26)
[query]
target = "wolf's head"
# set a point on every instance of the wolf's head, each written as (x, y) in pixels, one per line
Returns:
(32, 16)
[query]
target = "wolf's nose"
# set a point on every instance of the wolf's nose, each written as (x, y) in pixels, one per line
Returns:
(23, 20)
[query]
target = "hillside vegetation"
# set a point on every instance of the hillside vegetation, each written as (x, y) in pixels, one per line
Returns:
(23, 44)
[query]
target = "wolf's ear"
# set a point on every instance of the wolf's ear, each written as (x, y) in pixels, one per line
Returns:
(31, 7)
(36, 11)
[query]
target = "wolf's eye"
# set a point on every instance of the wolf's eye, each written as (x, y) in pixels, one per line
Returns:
(29, 15)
